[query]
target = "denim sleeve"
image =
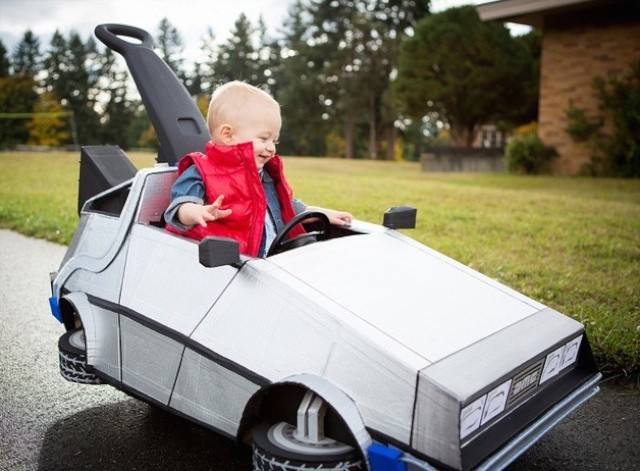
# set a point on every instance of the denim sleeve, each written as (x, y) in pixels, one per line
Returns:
(188, 188)
(298, 206)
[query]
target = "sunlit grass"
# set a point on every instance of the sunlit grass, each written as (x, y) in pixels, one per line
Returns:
(571, 243)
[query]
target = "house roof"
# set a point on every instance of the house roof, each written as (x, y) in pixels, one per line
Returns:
(533, 12)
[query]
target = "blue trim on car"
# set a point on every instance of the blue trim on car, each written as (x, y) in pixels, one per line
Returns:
(382, 458)
(55, 308)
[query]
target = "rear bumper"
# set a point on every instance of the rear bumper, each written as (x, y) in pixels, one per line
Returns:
(382, 458)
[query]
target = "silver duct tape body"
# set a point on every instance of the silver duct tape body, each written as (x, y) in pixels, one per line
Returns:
(433, 355)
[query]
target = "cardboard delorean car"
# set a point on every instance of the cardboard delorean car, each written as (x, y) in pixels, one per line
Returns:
(362, 350)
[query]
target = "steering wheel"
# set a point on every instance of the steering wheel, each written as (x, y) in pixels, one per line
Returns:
(280, 242)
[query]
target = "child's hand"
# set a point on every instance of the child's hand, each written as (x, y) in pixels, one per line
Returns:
(337, 218)
(191, 214)
(340, 218)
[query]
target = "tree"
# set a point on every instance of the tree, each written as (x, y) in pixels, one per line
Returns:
(171, 47)
(207, 67)
(270, 63)
(462, 71)
(238, 57)
(531, 85)
(50, 126)
(305, 122)
(4, 61)
(17, 99)
(72, 72)
(55, 65)
(118, 114)
(337, 35)
(26, 58)
(141, 125)
(358, 43)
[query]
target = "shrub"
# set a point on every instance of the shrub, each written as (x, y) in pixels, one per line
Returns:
(580, 127)
(528, 154)
(617, 152)
(529, 128)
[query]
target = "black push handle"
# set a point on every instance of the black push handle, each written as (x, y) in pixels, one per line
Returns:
(109, 35)
(179, 125)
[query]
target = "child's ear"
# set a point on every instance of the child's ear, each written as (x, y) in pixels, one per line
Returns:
(226, 134)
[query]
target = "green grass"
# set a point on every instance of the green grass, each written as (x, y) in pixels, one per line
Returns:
(571, 243)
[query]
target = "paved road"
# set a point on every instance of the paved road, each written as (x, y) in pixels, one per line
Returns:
(47, 423)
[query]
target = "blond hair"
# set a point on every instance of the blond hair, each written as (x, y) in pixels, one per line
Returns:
(231, 102)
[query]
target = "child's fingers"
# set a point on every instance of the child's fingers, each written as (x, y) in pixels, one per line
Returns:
(218, 202)
(223, 213)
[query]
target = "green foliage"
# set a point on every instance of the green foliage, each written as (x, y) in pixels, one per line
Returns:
(579, 127)
(148, 138)
(335, 145)
(331, 68)
(171, 47)
(5, 64)
(617, 152)
(119, 113)
(570, 243)
(523, 130)
(50, 126)
(26, 58)
(17, 95)
(529, 155)
(73, 71)
(305, 120)
(464, 72)
(342, 54)
(238, 57)
(527, 110)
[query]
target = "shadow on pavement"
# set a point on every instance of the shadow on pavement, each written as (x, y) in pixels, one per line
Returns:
(133, 435)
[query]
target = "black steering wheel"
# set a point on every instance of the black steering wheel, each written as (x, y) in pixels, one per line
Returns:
(281, 244)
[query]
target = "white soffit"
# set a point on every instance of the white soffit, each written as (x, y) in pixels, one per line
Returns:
(510, 10)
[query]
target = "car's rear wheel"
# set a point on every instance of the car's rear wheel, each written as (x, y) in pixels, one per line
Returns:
(277, 447)
(73, 358)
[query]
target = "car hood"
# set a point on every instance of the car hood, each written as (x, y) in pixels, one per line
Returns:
(429, 303)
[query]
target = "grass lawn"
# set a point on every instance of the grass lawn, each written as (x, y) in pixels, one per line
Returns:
(571, 243)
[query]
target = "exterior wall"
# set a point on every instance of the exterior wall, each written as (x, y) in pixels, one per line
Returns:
(576, 48)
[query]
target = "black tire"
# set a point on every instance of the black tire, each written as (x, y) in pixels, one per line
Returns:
(73, 358)
(270, 453)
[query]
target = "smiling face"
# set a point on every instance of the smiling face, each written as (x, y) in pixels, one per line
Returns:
(261, 127)
(241, 113)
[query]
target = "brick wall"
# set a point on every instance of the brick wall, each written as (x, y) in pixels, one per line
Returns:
(576, 48)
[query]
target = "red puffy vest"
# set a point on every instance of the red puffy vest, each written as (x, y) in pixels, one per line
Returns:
(231, 171)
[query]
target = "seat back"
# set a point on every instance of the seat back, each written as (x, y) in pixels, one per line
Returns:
(156, 197)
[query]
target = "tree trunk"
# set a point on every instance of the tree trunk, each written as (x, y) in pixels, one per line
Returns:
(391, 141)
(462, 136)
(348, 136)
(373, 135)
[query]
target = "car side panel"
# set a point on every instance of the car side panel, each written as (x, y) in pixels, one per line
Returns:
(96, 240)
(210, 393)
(165, 282)
(276, 326)
(150, 360)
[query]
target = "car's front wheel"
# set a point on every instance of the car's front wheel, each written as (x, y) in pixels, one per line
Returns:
(73, 358)
(278, 447)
